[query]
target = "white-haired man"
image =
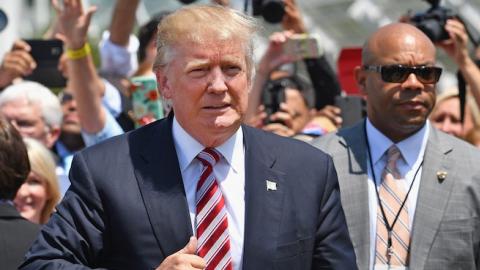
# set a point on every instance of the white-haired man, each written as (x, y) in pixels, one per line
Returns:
(34, 110)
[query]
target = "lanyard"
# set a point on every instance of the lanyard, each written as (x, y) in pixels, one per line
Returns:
(387, 225)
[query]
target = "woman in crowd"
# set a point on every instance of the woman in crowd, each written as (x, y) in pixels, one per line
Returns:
(446, 115)
(38, 196)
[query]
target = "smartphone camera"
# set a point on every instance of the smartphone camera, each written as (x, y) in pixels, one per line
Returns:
(303, 46)
(46, 54)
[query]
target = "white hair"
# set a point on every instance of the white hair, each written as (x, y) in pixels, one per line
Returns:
(194, 23)
(35, 93)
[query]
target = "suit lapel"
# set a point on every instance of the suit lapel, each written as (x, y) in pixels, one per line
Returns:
(353, 181)
(432, 199)
(160, 181)
(263, 207)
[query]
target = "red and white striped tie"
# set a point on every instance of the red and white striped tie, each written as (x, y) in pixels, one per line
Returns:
(211, 219)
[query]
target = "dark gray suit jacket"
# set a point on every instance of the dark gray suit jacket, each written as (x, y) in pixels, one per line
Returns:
(126, 207)
(446, 226)
(16, 236)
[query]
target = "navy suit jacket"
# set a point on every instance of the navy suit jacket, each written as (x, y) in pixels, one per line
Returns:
(126, 207)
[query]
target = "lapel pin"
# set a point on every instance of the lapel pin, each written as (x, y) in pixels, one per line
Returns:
(271, 185)
(441, 175)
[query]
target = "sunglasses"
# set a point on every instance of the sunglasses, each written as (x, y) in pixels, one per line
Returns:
(400, 73)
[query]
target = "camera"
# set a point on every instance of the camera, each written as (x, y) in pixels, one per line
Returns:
(273, 95)
(432, 22)
(271, 10)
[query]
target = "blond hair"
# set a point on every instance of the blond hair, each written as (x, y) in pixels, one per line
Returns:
(470, 102)
(201, 23)
(43, 165)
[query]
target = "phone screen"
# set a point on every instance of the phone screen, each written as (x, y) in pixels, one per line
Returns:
(47, 54)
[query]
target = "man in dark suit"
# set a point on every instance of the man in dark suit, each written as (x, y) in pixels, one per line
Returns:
(16, 233)
(431, 207)
(198, 190)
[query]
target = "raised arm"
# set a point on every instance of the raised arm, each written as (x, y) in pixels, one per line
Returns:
(118, 48)
(273, 58)
(322, 75)
(457, 49)
(123, 20)
(83, 80)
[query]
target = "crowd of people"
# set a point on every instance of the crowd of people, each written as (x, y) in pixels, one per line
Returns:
(220, 168)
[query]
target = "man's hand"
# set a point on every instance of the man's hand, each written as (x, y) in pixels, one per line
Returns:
(282, 122)
(333, 113)
(258, 118)
(73, 22)
(184, 258)
(16, 63)
(274, 57)
(293, 18)
(457, 45)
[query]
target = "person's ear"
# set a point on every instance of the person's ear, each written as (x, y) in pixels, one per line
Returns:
(52, 136)
(163, 84)
(361, 78)
(151, 49)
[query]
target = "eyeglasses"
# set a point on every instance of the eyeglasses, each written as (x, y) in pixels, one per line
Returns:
(65, 97)
(400, 73)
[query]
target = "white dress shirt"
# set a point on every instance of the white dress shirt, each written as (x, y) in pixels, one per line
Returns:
(413, 151)
(229, 171)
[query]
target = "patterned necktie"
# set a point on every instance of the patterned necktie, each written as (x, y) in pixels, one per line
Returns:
(211, 219)
(392, 194)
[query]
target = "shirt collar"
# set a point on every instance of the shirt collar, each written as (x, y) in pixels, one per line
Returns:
(188, 147)
(62, 150)
(411, 147)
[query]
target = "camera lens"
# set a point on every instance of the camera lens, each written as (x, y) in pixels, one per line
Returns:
(3, 20)
(273, 11)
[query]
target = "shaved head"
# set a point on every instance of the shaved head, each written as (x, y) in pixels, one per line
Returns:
(390, 37)
(397, 108)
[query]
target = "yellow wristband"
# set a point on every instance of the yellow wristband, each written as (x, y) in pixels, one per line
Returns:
(79, 53)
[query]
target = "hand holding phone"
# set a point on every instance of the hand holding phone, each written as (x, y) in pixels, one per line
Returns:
(16, 63)
(303, 46)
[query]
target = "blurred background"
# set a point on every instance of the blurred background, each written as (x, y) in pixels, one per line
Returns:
(339, 23)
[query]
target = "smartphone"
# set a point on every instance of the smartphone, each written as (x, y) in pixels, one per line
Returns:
(47, 54)
(353, 109)
(303, 46)
(146, 101)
